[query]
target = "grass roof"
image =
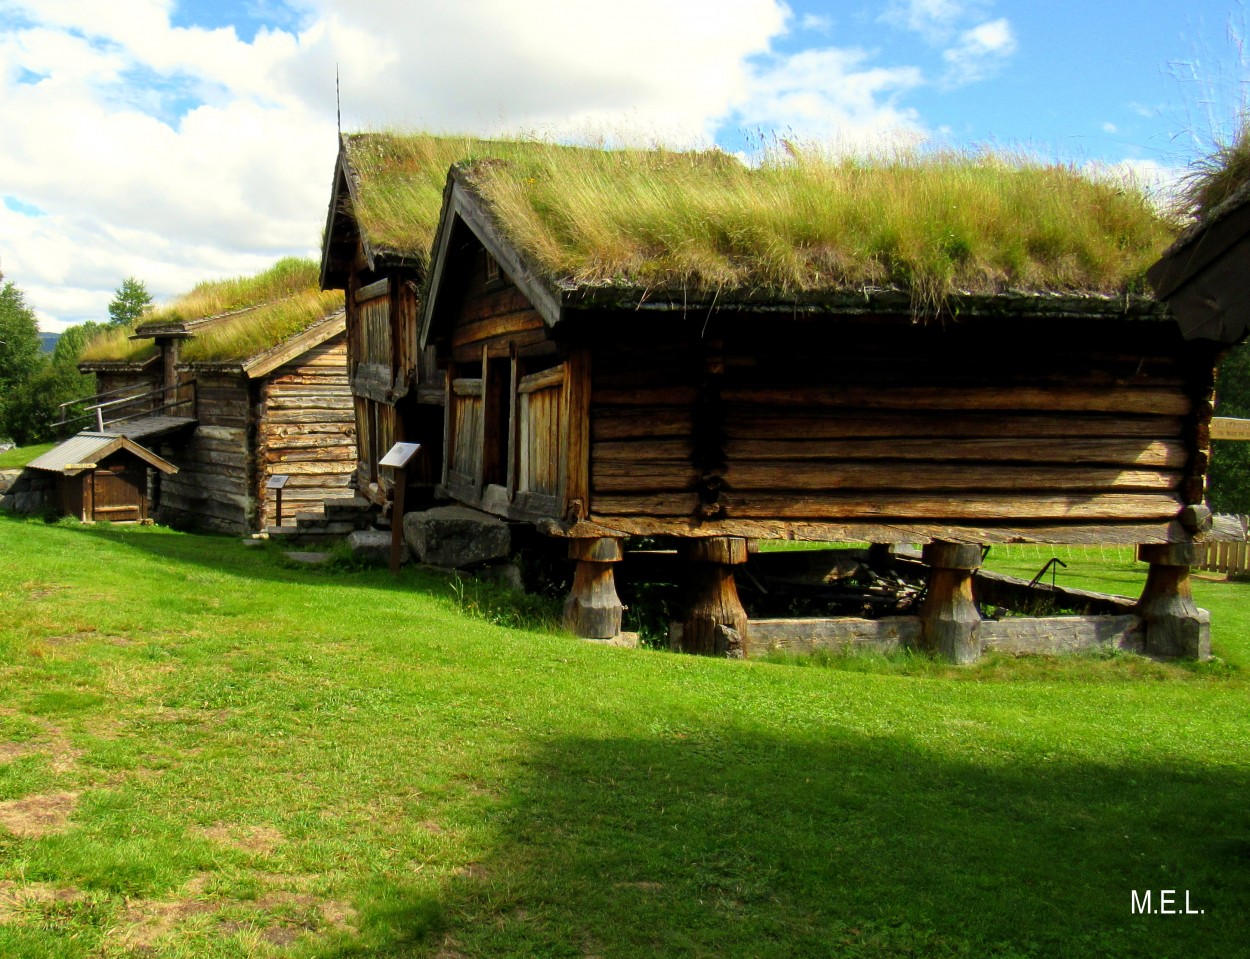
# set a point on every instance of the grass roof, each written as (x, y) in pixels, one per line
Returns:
(116, 346)
(803, 221)
(1215, 178)
(245, 316)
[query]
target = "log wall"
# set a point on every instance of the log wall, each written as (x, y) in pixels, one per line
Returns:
(214, 486)
(841, 424)
(306, 430)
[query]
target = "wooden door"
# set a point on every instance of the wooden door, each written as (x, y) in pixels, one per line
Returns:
(119, 493)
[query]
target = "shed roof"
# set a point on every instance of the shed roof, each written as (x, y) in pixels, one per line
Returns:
(645, 221)
(82, 452)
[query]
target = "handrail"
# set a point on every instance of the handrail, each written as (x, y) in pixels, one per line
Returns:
(95, 396)
(98, 408)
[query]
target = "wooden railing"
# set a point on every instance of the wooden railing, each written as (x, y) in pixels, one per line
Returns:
(1227, 555)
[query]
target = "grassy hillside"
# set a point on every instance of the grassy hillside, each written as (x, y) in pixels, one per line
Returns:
(205, 752)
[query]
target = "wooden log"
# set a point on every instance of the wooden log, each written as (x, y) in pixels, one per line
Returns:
(808, 475)
(973, 506)
(949, 616)
(804, 636)
(1166, 402)
(625, 453)
(771, 423)
(1175, 626)
(715, 622)
(607, 423)
(1110, 533)
(1155, 454)
(593, 610)
(1050, 635)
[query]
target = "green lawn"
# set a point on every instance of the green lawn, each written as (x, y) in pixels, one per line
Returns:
(21, 455)
(207, 752)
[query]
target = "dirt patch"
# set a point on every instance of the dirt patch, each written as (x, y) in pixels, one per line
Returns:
(37, 816)
(12, 751)
(18, 900)
(255, 839)
(147, 921)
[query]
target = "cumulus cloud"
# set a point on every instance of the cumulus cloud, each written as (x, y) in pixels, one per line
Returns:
(979, 52)
(177, 153)
(831, 95)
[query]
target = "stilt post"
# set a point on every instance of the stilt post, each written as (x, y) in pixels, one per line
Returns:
(1175, 626)
(715, 623)
(949, 617)
(593, 609)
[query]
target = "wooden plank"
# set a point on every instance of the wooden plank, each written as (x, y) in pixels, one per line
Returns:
(1229, 428)
(771, 423)
(373, 291)
(983, 507)
(803, 636)
(466, 386)
(640, 451)
(1026, 399)
(1144, 453)
(575, 419)
(1051, 635)
(521, 321)
(806, 475)
(1104, 533)
(542, 380)
(607, 423)
(620, 476)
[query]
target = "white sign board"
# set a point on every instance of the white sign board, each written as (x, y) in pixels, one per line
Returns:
(1228, 428)
(399, 455)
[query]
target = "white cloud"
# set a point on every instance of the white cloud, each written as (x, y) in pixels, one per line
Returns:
(979, 52)
(831, 95)
(1161, 181)
(1110, 128)
(935, 20)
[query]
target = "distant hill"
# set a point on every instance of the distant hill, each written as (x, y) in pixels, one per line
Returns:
(48, 341)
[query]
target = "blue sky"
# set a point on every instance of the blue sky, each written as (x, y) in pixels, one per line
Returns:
(178, 140)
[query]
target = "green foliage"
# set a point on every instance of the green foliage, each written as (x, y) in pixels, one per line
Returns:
(130, 303)
(20, 358)
(34, 412)
(1229, 484)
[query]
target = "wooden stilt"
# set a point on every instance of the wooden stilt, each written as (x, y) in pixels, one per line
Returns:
(593, 609)
(1175, 627)
(949, 617)
(715, 623)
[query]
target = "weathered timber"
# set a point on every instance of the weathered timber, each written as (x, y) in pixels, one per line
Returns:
(771, 423)
(804, 636)
(1052, 635)
(1023, 449)
(973, 505)
(715, 621)
(1166, 402)
(1111, 533)
(1175, 626)
(593, 610)
(948, 615)
(653, 423)
(808, 475)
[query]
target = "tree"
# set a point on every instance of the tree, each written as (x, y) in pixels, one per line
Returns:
(1229, 485)
(20, 358)
(129, 304)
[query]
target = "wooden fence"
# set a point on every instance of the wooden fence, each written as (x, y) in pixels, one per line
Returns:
(1227, 556)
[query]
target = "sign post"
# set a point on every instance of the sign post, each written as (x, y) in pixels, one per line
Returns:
(275, 483)
(398, 458)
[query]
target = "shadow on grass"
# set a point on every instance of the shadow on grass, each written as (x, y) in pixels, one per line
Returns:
(753, 846)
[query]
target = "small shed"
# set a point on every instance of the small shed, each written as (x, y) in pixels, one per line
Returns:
(102, 476)
(257, 366)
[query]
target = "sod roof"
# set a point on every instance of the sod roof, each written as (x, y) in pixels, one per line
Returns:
(932, 224)
(228, 321)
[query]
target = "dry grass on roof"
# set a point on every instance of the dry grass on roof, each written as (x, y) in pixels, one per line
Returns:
(115, 346)
(247, 316)
(241, 336)
(1214, 179)
(287, 277)
(804, 222)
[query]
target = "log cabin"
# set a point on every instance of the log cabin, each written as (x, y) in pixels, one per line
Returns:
(246, 379)
(949, 351)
